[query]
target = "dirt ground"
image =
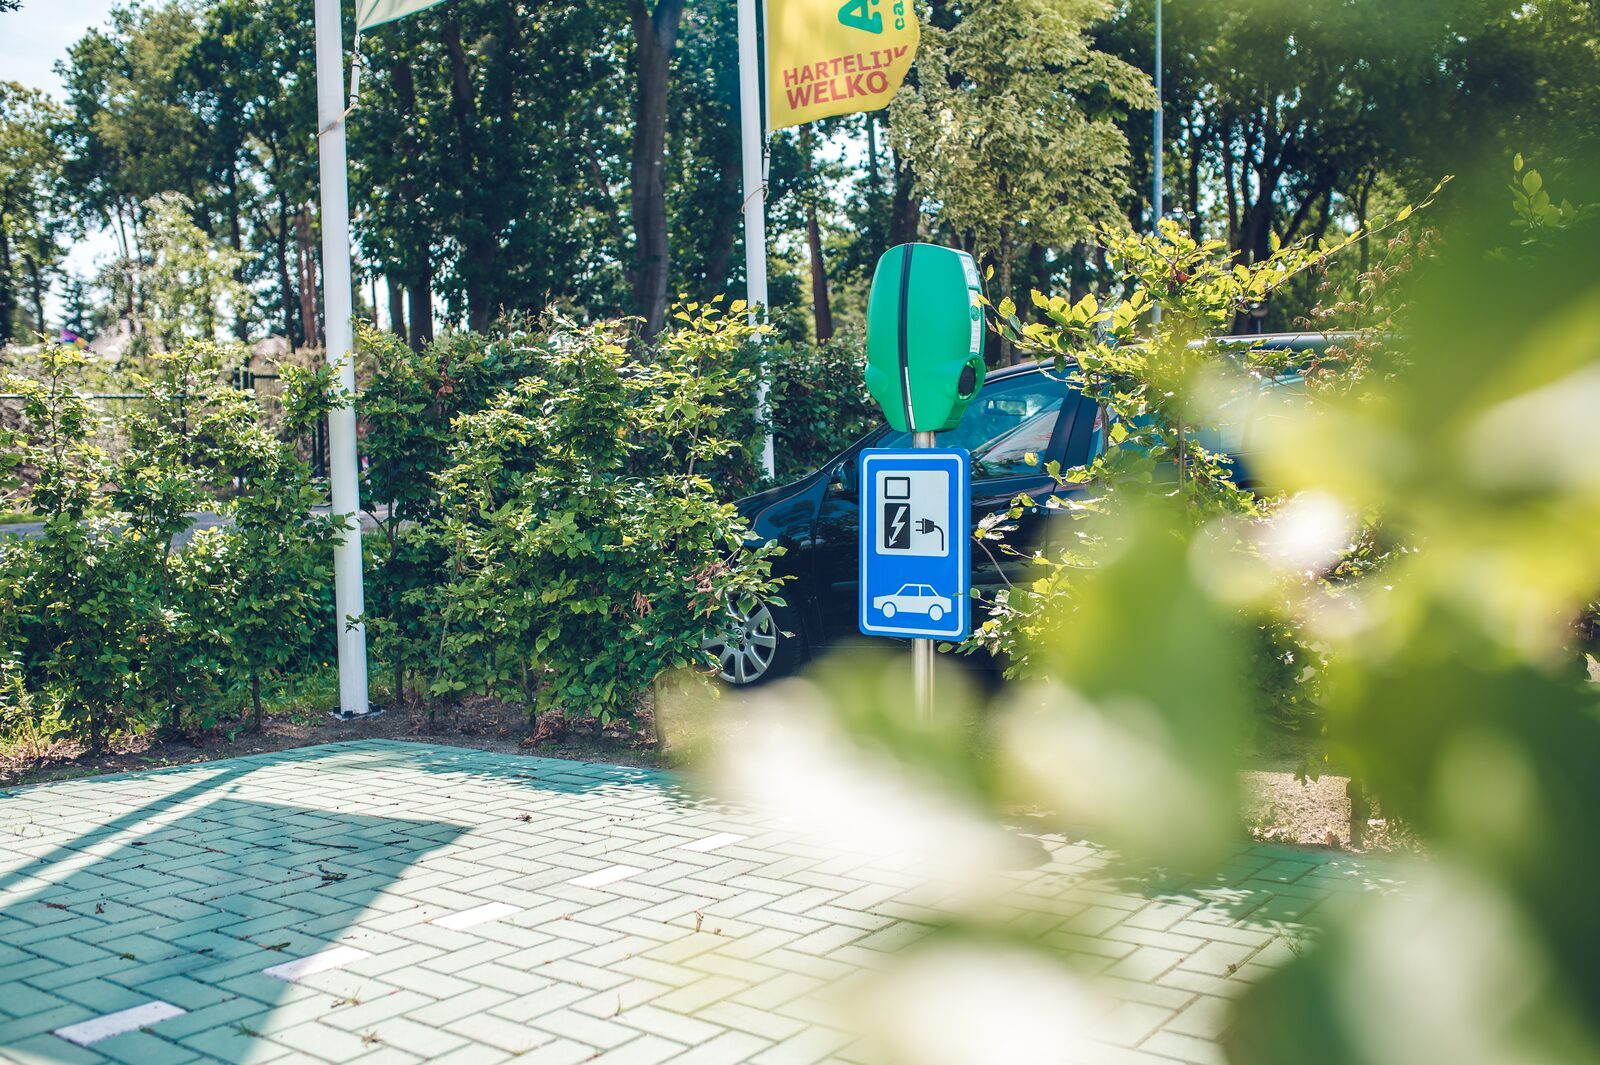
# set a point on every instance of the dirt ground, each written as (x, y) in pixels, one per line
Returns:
(1284, 803)
(482, 724)
(1278, 807)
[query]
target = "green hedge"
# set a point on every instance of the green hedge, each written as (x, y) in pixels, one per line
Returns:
(553, 502)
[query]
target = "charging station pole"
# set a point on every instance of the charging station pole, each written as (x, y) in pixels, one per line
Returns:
(925, 333)
(922, 649)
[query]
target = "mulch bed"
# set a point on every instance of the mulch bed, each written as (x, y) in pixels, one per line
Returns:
(482, 724)
(1278, 807)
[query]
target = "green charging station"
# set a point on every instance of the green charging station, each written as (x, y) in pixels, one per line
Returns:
(925, 336)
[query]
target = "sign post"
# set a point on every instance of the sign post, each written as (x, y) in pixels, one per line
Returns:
(924, 365)
(922, 649)
(916, 574)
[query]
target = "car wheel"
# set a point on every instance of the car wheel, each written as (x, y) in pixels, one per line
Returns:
(935, 612)
(751, 647)
(888, 610)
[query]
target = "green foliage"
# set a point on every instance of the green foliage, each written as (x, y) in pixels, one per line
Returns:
(1152, 383)
(1453, 692)
(818, 401)
(76, 617)
(1166, 391)
(184, 282)
(463, 430)
(112, 626)
(1012, 125)
(1437, 530)
(1533, 210)
(407, 404)
(552, 533)
(1271, 126)
(32, 222)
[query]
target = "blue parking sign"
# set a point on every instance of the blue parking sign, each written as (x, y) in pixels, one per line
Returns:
(916, 574)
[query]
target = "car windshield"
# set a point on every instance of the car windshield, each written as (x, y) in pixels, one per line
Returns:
(1009, 420)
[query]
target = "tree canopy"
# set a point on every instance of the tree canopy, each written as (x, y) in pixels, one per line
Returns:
(508, 156)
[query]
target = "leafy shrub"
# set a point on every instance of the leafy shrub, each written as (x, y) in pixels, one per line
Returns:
(76, 612)
(639, 449)
(819, 402)
(408, 402)
(1162, 383)
(107, 620)
(587, 553)
(1448, 516)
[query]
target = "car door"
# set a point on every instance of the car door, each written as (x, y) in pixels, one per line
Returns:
(1012, 418)
(1083, 441)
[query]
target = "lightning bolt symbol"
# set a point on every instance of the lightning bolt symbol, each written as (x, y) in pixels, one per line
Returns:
(898, 524)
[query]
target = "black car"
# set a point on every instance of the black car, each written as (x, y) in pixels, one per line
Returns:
(1022, 410)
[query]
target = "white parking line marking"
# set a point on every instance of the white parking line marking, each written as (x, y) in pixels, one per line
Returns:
(320, 962)
(711, 843)
(489, 911)
(85, 1033)
(609, 875)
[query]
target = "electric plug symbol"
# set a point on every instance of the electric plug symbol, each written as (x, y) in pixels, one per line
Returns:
(928, 525)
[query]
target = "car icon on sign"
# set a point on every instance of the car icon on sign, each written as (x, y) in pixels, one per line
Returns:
(914, 599)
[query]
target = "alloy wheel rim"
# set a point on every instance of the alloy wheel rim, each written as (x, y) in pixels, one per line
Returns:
(746, 646)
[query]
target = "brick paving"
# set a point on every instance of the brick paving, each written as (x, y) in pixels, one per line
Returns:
(383, 902)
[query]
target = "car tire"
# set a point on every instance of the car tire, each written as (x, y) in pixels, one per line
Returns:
(888, 610)
(757, 647)
(935, 612)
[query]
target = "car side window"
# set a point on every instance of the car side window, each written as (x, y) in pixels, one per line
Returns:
(1007, 421)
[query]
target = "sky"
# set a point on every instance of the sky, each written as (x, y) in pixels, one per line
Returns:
(31, 41)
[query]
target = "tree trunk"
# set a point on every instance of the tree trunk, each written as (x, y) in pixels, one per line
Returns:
(719, 249)
(397, 306)
(241, 326)
(36, 282)
(874, 182)
(1360, 810)
(285, 291)
(8, 291)
(417, 264)
(1227, 184)
(310, 321)
(478, 246)
(1038, 268)
(125, 248)
(819, 272)
(420, 299)
(905, 209)
(255, 703)
(1077, 271)
(819, 276)
(655, 35)
(1361, 219)
(1196, 147)
(1009, 356)
(135, 293)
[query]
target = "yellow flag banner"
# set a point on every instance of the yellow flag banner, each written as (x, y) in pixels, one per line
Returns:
(824, 59)
(377, 12)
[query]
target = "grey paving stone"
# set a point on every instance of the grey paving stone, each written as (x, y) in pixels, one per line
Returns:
(206, 875)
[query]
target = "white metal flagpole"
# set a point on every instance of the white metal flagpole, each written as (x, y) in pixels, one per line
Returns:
(753, 137)
(1157, 139)
(1158, 146)
(336, 299)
